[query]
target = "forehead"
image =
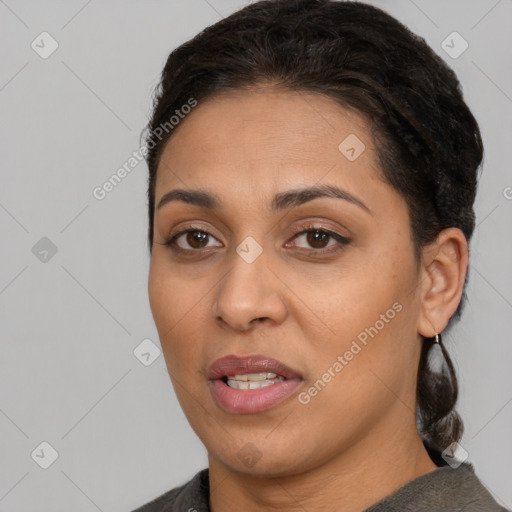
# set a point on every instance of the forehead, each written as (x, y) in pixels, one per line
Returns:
(268, 138)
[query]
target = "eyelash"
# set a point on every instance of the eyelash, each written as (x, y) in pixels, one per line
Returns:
(307, 228)
(300, 230)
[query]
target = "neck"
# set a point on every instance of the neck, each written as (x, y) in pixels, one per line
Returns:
(354, 480)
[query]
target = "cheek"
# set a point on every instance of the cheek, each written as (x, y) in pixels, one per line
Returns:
(370, 313)
(178, 308)
(360, 376)
(351, 298)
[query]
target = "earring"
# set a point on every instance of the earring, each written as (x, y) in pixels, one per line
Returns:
(437, 338)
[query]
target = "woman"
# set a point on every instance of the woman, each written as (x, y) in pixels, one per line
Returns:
(313, 168)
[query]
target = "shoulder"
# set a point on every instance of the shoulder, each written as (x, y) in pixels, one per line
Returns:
(192, 496)
(444, 489)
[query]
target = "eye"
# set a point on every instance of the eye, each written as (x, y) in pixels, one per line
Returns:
(314, 239)
(319, 240)
(192, 239)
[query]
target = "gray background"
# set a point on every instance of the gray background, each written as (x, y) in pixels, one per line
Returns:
(71, 322)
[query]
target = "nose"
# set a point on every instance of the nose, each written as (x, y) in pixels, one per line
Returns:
(249, 294)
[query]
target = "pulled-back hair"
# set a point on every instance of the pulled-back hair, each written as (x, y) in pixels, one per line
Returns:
(428, 143)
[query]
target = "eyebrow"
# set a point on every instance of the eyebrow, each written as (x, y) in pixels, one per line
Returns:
(281, 201)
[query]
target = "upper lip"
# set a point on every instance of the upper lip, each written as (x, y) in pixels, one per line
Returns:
(239, 365)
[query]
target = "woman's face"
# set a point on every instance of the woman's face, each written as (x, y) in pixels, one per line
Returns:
(339, 306)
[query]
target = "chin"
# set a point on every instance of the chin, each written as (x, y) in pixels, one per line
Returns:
(262, 457)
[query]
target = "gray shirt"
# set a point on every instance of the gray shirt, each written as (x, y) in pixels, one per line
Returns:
(443, 490)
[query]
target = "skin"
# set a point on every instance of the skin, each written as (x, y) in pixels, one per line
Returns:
(356, 441)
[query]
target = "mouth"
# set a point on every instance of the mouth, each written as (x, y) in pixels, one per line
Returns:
(253, 380)
(251, 384)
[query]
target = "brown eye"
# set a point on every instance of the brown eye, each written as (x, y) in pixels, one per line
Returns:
(197, 239)
(192, 239)
(318, 239)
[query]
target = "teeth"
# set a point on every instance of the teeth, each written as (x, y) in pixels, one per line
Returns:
(237, 383)
(254, 376)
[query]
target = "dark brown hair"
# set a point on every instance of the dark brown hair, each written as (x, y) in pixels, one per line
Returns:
(427, 140)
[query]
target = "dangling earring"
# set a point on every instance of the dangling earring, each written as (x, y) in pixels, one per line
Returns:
(437, 338)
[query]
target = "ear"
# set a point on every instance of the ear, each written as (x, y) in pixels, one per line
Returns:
(443, 272)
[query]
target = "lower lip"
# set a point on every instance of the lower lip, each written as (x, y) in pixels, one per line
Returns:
(252, 400)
